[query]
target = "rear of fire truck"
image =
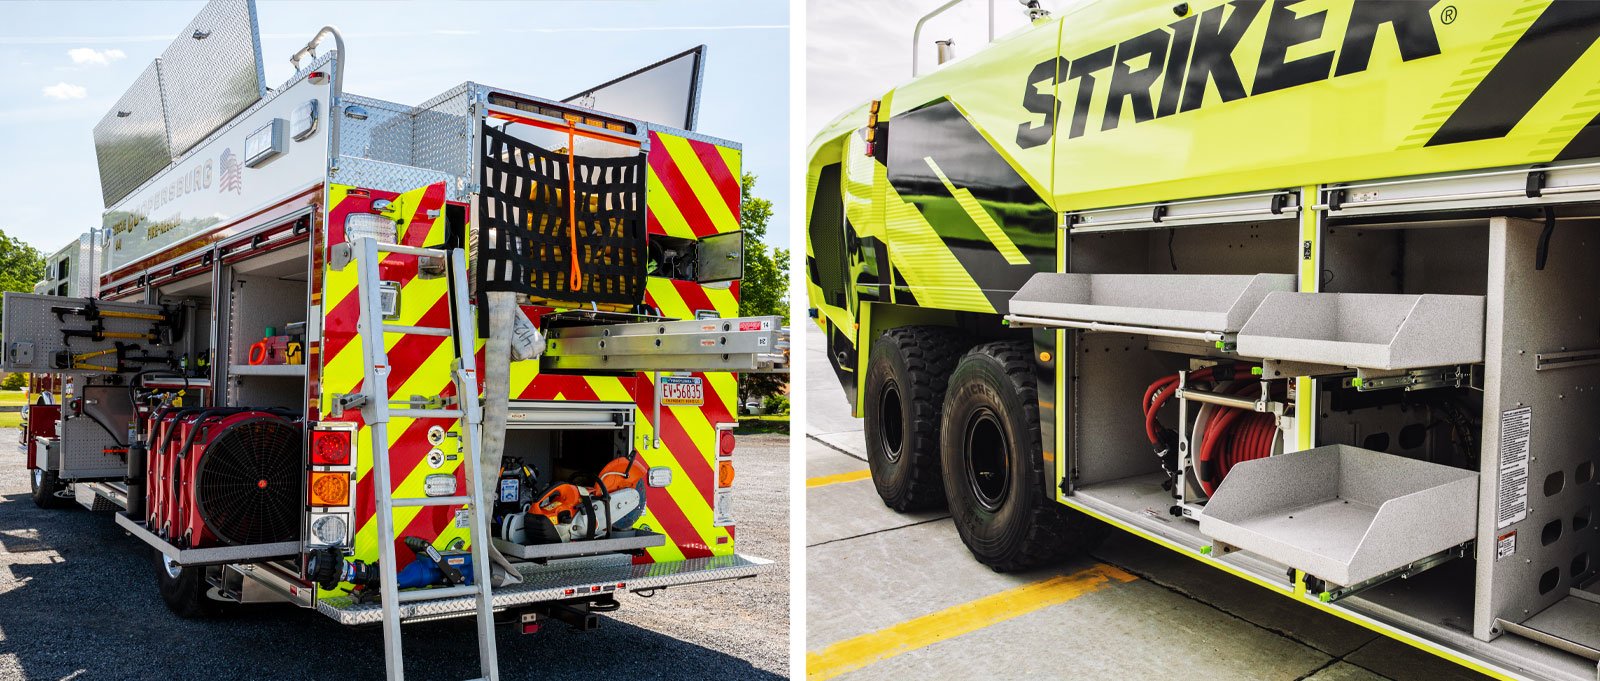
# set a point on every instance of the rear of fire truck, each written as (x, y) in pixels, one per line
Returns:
(215, 393)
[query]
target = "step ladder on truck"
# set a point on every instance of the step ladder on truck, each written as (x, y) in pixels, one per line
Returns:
(474, 357)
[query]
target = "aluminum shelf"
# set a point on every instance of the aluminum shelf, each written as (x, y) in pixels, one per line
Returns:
(1341, 513)
(640, 540)
(287, 370)
(221, 555)
(1366, 330)
(1206, 306)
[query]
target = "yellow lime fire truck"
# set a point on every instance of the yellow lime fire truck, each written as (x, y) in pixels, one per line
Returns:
(1302, 289)
(472, 357)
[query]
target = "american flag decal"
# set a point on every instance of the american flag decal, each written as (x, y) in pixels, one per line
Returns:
(232, 173)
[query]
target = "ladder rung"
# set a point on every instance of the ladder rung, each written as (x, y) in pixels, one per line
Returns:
(435, 593)
(410, 250)
(430, 501)
(417, 330)
(426, 413)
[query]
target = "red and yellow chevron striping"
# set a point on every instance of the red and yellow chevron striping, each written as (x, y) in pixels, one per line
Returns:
(691, 187)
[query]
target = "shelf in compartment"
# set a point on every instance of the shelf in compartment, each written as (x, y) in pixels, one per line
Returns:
(1366, 330)
(1344, 514)
(289, 370)
(637, 541)
(1205, 306)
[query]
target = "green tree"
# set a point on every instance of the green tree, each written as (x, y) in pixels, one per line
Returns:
(765, 288)
(21, 265)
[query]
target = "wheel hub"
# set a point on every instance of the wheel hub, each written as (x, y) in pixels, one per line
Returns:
(891, 427)
(988, 459)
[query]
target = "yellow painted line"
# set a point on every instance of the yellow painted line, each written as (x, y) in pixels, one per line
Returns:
(825, 480)
(852, 654)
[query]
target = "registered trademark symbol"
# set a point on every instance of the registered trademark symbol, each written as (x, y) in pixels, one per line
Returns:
(1448, 14)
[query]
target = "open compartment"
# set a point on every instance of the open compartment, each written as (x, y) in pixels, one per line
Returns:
(576, 446)
(1217, 303)
(266, 329)
(1368, 330)
(1343, 514)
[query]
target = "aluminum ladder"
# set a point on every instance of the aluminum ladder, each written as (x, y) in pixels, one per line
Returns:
(376, 409)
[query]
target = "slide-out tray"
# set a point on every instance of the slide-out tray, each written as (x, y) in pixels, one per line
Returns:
(1367, 330)
(638, 541)
(1215, 303)
(1343, 513)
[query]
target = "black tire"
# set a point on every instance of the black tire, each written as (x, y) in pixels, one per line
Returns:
(993, 462)
(904, 396)
(184, 590)
(45, 485)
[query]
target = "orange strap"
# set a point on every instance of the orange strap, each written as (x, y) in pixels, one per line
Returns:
(575, 277)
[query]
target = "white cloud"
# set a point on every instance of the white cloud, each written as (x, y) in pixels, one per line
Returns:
(89, 55)
(65, 90)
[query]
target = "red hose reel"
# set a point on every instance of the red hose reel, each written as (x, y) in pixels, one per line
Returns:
(1230, 436)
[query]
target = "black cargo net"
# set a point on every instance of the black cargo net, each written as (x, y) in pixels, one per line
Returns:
(524, 236)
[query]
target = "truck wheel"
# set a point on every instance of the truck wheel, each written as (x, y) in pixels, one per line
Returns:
(904, 395)
(184, 589)
(45, 486)
(994, 472)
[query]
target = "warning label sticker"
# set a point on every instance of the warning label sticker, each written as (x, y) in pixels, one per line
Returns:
(1505, 545)
(461, 518)
(1516, 428)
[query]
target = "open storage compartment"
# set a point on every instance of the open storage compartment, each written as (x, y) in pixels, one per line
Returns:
(266, 329)
(1344, 514)
(1368, 330)
(566, 442)
(1218, 303)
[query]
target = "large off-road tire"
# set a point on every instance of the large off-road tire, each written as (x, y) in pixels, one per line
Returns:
(904, 397)
(994, 474)
(45, 485)
(185, 590)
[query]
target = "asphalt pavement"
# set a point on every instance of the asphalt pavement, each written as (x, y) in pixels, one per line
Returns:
(78, 600)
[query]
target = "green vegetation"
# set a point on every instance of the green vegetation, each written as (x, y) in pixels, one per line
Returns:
(765, 288)
(8, 398)
(21, 265)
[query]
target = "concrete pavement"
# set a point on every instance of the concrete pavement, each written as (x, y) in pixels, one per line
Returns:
(894, 596)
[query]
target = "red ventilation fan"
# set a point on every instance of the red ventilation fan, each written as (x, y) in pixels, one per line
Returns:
(228, 477)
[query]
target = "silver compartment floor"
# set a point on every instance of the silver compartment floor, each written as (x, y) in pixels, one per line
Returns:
(1436, 603)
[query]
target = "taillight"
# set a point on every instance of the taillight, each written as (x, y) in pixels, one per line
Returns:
(330, 489)
(726, 443)
(724, 473)
(330, 447)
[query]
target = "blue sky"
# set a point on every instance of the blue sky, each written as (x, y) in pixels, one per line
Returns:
(66, 64)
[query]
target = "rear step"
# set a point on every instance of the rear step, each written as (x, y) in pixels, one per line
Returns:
(559, 580)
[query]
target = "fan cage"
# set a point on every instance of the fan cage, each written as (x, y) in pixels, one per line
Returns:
(250, 482)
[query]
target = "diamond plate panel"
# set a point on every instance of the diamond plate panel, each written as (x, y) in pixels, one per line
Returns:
(208, 80)
(442, 135)
(132, 147)
(384, 135)
(549, 583)
(394, 177)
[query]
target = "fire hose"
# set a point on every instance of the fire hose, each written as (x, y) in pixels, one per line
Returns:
(1231, 436)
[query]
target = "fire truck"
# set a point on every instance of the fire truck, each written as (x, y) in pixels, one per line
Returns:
(468, 358)
(1304, 291)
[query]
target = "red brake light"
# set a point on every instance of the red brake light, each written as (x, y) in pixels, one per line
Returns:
(726, 443)
(330, 447)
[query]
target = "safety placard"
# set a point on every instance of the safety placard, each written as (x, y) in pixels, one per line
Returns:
(1516, 429)
(682, 391)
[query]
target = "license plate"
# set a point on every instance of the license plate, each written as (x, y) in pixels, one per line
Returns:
(679, 391)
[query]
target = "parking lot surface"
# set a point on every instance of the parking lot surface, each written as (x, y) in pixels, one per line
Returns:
(78, 600)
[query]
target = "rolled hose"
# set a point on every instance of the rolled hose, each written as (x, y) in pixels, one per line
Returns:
(1232, 436)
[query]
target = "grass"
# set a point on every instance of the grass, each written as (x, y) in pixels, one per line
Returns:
(765, 423)
(12, 419)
